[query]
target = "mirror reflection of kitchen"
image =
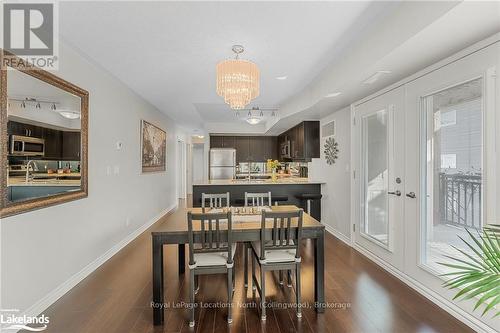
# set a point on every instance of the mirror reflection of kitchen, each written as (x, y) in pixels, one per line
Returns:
(44, 138)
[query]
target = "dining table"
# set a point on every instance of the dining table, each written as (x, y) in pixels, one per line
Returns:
(245, 228)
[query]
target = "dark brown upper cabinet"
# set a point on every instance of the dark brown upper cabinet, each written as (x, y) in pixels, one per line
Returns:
(248, 148)
(216, 141)
(304, 141)
(219, 141)
(242, 146)
(53, 144)
(71, 146)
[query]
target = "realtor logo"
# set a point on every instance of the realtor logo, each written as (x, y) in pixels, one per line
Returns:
(30, 33)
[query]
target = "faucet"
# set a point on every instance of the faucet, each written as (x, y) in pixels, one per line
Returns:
(28, 169)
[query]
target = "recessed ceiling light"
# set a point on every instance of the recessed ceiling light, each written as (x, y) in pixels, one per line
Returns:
(284, 77)
(334, 94)
(200, 136)
(375, 77)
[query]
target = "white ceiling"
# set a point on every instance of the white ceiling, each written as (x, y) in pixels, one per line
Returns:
(167, 51)
(22, 86)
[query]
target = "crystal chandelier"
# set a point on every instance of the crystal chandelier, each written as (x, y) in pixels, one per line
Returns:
(237, 80)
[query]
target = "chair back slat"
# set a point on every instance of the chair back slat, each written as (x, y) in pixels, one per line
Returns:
(258, 199)
(215, 200)
(211, 234)
(209, 244)
(282, 234)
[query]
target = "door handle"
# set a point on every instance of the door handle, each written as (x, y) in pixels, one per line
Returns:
(397, 193)
(411, 195)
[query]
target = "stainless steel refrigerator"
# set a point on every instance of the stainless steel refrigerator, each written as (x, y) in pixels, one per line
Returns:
(222, 163)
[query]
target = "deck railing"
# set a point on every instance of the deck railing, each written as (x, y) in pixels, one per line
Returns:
(460, 199)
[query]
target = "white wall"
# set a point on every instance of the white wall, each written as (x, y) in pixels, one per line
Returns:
(335, 204)
(46, 249)
(198, 163)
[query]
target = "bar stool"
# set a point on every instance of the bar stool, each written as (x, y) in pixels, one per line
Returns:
(279, 198)
(308, 197)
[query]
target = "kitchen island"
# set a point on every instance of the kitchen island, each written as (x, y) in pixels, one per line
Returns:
(42, 185)
(288, 188)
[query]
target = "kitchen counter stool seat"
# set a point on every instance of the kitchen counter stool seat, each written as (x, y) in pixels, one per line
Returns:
(279, 198)
(308, 197)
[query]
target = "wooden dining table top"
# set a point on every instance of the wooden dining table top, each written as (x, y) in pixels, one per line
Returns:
(176, 222)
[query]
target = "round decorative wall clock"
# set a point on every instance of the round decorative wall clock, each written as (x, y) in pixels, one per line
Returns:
(331, 150)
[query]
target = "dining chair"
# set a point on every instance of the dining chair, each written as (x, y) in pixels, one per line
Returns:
(278, 250)
(257, 199)
(215, 200)
(211, 253)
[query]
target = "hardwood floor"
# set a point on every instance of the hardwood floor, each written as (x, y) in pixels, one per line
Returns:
(362, 298)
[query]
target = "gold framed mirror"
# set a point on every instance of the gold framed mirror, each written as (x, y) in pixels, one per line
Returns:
(43, 139)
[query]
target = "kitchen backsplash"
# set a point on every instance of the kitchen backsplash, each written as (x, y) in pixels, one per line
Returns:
(44, 165)
(260, 167)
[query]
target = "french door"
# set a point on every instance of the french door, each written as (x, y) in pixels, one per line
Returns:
(425, 157)
(379, 148)
(450, 163)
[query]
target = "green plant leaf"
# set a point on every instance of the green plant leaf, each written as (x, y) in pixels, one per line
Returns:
(485, 252)
(492, 293)
(477, 275)
(476, 260)
(461, 280)
(478, 284)
(490, 306)
(484, 288)
(471, 265)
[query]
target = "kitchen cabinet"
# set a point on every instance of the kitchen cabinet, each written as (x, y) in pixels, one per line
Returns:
(53, 144)
(242, 146)
(15, 128)
(219, 141)
(59, 145)
(71, 146)
(304, 141)
(257, 149)
(228, 142)
(216, 142)
(272, 147)
(248, 148)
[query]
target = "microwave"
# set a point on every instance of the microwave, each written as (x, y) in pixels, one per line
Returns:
(286, 149)
(26, 146)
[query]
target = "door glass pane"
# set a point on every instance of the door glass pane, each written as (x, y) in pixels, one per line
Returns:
(452, 179)
(375, 176)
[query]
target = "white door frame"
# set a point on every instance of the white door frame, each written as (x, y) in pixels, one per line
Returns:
(189, 168)
(181, 169)
(393, 103)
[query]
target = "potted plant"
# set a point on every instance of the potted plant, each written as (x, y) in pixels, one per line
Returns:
(479, 274)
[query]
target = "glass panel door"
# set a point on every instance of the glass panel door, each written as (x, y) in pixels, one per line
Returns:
(379, 148)
(375, 220)
(452, 180)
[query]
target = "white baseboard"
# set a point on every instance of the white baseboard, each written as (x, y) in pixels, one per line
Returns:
(431, 295)
(63, 288)
(337, 234)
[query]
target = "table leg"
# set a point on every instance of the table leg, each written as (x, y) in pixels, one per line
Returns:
(182, 258)
(319, 272)
(157, 282)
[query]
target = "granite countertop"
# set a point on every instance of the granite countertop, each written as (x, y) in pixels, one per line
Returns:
(282, 181)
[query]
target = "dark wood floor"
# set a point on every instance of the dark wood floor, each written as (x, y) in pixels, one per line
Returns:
(362, 296)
